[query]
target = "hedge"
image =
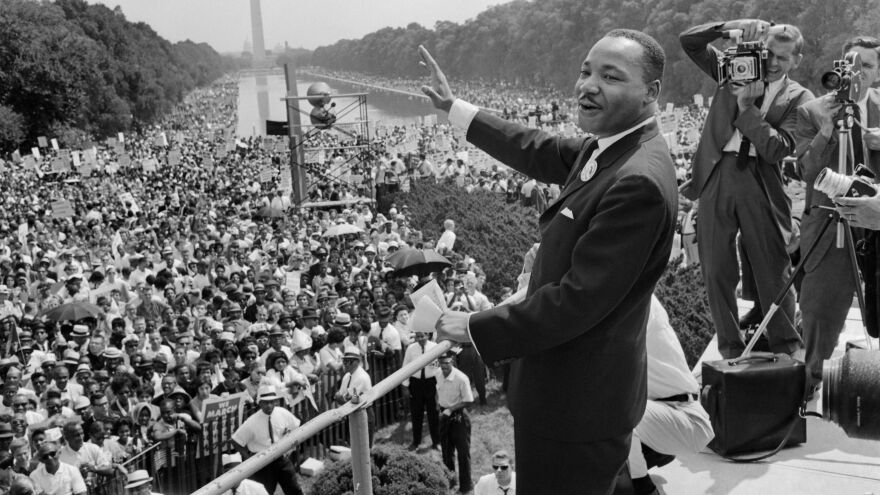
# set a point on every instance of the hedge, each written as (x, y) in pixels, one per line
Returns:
(488, 229)
(395, 471)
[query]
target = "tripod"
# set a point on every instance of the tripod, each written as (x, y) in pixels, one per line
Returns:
(845, 155)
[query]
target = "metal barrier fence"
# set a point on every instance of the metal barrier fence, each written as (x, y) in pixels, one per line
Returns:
(183, 464)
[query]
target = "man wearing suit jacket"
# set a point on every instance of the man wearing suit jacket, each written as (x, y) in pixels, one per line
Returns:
(828, 285)
(577, 341)
(738, 179)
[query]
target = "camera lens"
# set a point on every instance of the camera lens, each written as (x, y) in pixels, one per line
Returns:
(831, 80)
(851, 393)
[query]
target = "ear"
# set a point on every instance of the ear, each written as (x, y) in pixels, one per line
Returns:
(653, 92)
(797, 61)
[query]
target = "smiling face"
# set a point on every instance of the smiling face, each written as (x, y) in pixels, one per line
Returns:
(611, 91)
(782, 58)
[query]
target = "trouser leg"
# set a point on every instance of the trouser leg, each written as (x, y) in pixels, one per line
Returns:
(446, 443)
(826, 296)
(716, 242)
(462, 439)
(417, 409)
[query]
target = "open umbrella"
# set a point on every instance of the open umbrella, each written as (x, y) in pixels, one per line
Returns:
(269, 212)
(341, 229)
(73, 311)
(409, 261)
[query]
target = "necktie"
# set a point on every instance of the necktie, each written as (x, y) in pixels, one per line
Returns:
(423, 369)
(858, 145)
(504, 490)
(271, 433)
(742, 158)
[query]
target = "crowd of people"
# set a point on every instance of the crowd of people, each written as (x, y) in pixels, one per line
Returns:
(202, 289)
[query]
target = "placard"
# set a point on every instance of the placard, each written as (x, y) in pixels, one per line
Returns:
(266, 175)
(698, 100)
(124, 160)
(120, 137)
(42, 142)
(59, 165)
(36, 153)
(55, 144)
(669, 107)
(228, 411)
(62, 209)
(150, 165)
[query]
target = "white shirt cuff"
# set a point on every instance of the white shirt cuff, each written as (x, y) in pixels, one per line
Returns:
(469, 331)
(462, 113)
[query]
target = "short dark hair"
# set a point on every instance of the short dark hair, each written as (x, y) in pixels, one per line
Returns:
(786, 33)
(869, 42)
(653, 59)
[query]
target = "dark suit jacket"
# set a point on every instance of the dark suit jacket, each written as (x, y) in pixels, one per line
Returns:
(578, 339)
(816, 153)
(773, 135)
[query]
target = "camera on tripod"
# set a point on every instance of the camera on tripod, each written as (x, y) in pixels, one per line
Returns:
(843, 80)
(744, 63)
(836, 185)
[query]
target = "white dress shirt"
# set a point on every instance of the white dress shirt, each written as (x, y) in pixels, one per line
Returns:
(413, 352)
(254, 432)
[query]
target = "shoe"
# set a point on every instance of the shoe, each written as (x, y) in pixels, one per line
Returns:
(412, 447)
(752, 317)
(654, 458)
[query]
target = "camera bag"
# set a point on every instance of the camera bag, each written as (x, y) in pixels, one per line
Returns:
(753, 402)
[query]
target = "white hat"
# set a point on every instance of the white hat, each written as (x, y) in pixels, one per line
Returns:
(267, 392)
(4, 289)
(228, 459)
(138, 478)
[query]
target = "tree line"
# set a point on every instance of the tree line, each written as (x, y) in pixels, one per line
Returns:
(542, 43)
(72, 70)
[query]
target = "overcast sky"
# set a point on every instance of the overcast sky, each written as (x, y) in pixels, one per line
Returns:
(225, 24)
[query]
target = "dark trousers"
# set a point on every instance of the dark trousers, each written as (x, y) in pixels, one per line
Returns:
(734, 201)
(455, 437)
(472, 365)
(279, 472)
(551, 467)
(423, 397)
(826, 296)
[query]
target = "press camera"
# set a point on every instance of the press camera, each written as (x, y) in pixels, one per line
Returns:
(743, 63)
(844, 78)
(835, 185)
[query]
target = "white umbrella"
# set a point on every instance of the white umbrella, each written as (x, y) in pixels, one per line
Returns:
(341, 229)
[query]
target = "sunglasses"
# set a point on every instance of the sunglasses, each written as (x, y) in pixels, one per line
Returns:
(502, 468)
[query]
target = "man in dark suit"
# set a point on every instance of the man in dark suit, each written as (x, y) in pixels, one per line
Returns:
(738, 179)
(828, 285)
(577, 342)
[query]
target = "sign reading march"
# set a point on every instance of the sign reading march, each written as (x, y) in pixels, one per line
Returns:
(62, 209)
(221, 417)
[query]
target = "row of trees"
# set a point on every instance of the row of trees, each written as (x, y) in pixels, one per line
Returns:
(543, 42)
(69, 68)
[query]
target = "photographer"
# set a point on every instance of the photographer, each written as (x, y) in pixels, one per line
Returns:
(824, 311)
(738, 180)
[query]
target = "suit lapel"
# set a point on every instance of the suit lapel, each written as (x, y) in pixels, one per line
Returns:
(607, 158)
(872, 157)
(779, 104)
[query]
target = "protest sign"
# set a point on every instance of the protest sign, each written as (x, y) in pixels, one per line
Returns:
(36, 153)
(22, 234)
(42, 141)
(668, 123)
(266, 174)
(174, 157)
(431, 119)
(124, 160)
(55, 144)
(75, 156)
(16, 156)
(30, 163)
(120, 137)
(670, 107)
(128, 200)
(62, 209)
(150, 165)
(59, 165)
(226, 411)
(111, 142)
(698, 100)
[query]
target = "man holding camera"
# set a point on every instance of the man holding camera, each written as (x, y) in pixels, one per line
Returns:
(828, 285)
(737, 175)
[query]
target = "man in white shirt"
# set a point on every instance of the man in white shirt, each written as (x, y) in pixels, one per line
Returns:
(502, 481)
(453, 396)
(54, 477)
(447, 238)
(355, 383)
(422, 387)
(385, 331)
(85, 456)
(262, 430)
(674, 421)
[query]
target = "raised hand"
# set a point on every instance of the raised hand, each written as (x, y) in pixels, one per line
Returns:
(438, 91)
